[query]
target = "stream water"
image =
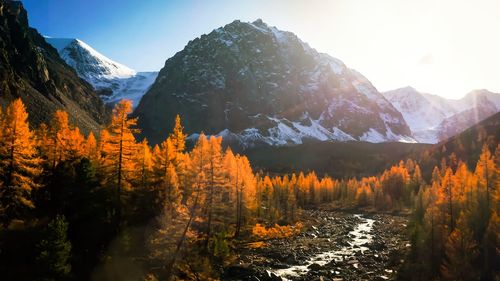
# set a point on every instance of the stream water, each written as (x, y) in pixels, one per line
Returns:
(360, 236)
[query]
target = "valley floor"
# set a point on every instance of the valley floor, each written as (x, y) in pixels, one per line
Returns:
(333, 246)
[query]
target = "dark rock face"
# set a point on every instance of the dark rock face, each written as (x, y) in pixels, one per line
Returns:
(256, 84)
(32, 70)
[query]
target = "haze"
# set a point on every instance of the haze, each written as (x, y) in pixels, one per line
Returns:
(442, 47)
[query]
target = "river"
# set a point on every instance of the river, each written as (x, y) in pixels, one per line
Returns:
(360, 237)
(335, 246)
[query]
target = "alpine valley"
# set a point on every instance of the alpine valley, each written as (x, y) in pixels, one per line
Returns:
(248, 156)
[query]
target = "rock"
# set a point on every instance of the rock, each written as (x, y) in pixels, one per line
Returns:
(239, 272)
(291, 259)
(315, 267)
(331, 264)
(377, 246)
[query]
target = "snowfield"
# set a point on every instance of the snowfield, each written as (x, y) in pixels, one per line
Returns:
(114, 81)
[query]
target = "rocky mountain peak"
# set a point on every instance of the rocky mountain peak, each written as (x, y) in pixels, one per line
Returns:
(261, 85)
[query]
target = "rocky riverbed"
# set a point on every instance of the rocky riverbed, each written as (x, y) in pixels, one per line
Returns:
(334, 246)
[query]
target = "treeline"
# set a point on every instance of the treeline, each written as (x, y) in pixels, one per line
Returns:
(77, 207)
(456, 225)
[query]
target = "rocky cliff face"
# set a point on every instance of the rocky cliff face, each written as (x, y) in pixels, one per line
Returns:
(255, 84)
(32, 70)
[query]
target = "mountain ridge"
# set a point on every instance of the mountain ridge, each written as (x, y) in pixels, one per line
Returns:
(262, 86)
(433, 118)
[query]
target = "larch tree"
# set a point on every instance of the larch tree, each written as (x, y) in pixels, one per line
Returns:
(177, 137)
(56, 147)
(199, 162)
(461, 251)
(446, 198)
(91, 150)
(163, 158)
(119, 148)
(233, 174)
(216, 184)
(19, 162)
(485, 171)
(180, 161)
(143, 164)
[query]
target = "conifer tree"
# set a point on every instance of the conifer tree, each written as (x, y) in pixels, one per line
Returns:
(177, 137)
(485, 171)
(172, 193)
(91, 150)
(446, 199)
(54, 251)
(119, 148)
(19, 163)
(461, 252)
(143, 164)
(215, 185)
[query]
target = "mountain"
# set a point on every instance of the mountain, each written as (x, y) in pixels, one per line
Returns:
(432, 118)
(457, 123)
(420, 114)
(466, 145)
(112, 80)
(255, 84)
(32, 70)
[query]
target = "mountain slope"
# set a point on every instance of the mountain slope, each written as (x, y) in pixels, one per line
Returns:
(420, 114)
(255, 84)
(466, 145)
(32, 70)
(433, 118)
(457, 123)
(112, 80)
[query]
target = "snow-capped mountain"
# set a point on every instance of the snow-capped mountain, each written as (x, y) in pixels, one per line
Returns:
(255, 84)
(433, 118)
(113, 80)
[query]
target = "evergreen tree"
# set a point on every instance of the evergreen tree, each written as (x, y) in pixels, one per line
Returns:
(54, 251)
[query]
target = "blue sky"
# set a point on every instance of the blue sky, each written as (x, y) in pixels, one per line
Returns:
(139, 34)
(445, 47)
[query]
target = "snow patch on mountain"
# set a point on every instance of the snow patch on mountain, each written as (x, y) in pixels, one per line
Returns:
(132, 88)
(286, 133)
(113, 81)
